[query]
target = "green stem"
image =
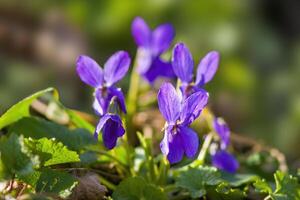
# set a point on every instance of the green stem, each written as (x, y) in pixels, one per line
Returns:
(201, 158)
(107, 183)
(131, 103)
(105, 153)
(268, 197)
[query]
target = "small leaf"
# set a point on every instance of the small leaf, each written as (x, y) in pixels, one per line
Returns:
(237, 180)
(136, 188)
(228, 192)
(51, 181)
(287, 185)
(21, 109)
(14, 156)
(38, 128)
(262, 186)
(195, 180)
(51, 152)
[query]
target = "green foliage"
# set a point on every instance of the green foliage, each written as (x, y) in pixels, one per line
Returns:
(51, 181)
(237, 180)
(287, 187)
(51, 152)
(21, 109)
(196, 180)
(13, 156)
(136, 188)
(37, 128)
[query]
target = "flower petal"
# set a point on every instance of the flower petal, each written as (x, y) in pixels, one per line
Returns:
(169, 102)
(100, 124)
(97, 107)
(141, 32)
(223, 131)
(144, 60)
(103, 97)
(159, 68)
(89, 71)
(117, 92)
(176, 150)
(225, 161)
(164, 144)
(162, 38)
(190, 141)
(193, 105)
(207, 68)
(112, 128)
(116, 67)
(182, 62)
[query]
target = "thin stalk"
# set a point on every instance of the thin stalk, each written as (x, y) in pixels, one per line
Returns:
(131, 102)
(202, 155)
(107, 183)
(121, 164)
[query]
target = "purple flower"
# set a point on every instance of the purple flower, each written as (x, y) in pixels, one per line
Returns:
(179, 139)
(151, 44)
(225, 161)
(112, 128)
(183, 65)
(103, 80)
(223, 131)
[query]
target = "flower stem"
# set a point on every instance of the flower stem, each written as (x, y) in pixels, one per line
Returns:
(131, 103)
(202, 155)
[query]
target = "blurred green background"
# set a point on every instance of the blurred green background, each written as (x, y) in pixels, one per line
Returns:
(257, 87)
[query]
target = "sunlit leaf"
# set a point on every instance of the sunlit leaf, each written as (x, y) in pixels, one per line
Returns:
(51, 152)
(21, 109)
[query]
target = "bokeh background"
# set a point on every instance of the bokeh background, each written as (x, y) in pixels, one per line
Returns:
(257, 87)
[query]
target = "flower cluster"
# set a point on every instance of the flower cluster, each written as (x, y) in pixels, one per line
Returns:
(179, 107)
(222, 159)
(180, 110)
(106, 93)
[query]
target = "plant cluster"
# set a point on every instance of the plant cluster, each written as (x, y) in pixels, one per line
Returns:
(182, 151)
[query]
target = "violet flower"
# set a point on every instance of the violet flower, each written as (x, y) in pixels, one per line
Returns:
(221, 158)
(106, 93)
(112, 128)
(225, 161)
(183, 65)
(103, 80)
(151, 44)
(179, 139)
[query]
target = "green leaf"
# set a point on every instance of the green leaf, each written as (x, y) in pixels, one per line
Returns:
(14, 156)
(136, 188)
(51, 152)
(237, 180)
(31, 178)
(78, 121)
(38, 128)
(51, 181)
(195, 180)
(262, 186)
(287, 185)
(227, 192)
(21, 109)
